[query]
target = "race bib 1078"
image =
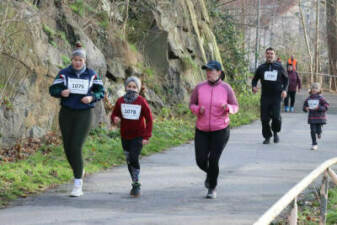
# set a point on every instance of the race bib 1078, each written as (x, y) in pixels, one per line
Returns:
(130, 111)
(313, 103)
(78, 86)
(270, 75)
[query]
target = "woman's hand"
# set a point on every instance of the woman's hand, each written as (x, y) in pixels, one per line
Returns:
(225, 106)
(65, 93)
(283, 94)
(87, 99)
(202, 110)
(145, 142)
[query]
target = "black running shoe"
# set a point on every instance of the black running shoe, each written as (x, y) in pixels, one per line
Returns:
(266, 141)
(135, 191)
(276, 138)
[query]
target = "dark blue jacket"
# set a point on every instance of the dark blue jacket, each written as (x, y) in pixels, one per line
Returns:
(61, 82)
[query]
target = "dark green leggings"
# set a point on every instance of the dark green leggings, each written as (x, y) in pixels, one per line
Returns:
(75, 125)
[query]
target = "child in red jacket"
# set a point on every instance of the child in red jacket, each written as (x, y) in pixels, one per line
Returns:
(131, 110)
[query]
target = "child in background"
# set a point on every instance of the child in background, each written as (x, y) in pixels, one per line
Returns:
(131, 110)
(316, 105)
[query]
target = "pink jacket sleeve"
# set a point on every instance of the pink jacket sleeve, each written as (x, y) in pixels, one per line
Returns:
(232, 103)
(194, 102)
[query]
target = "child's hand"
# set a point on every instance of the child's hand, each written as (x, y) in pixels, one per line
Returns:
(116, 120)
(145, 142)
(306, 109)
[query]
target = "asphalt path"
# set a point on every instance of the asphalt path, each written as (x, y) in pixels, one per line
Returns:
(252, 177)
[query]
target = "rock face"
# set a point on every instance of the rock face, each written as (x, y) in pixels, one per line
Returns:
(164, 43)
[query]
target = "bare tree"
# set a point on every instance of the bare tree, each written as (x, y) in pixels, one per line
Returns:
(306, 37)
(331, 20)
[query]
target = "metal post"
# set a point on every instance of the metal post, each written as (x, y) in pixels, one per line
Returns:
(324, 199)
(332, 175)
(292, 219)
(257, 32)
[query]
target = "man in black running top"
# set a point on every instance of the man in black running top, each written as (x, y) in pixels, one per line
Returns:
(274, 84)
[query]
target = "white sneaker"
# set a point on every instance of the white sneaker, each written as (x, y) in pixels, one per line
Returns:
(77, 190)
(314, 147)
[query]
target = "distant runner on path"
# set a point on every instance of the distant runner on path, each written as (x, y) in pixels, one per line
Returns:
(294, 85)
(212, 101)
(274, 82)
(316, 106)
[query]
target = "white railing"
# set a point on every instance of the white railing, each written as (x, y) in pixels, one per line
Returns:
(291, 196)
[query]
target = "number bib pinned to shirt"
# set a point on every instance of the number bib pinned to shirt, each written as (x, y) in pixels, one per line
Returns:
(130, 111)
(270, 75)
(313, 103)
(78, 86)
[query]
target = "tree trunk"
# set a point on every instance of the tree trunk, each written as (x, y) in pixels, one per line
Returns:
(306, 40)
(316, 78)
(331, 20)
(125, 19)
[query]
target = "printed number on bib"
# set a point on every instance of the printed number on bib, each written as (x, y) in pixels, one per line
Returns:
(78, 86)
(131, 112)
(313, 103)
(270, 75)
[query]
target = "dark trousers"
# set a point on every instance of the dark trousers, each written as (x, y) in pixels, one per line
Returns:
(132, 149)
(291, 95)
(316, 129)
(208, 149)
(75, 126)
(270, 110)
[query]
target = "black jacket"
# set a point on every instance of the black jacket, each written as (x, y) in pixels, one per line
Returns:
(274, 79)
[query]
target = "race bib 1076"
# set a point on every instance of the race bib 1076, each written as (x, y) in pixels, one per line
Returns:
(313, 103)
(270, 75)
(78, 86)
(130, 111)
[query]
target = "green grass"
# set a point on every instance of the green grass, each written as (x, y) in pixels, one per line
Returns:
(48, 166)
(248, 109)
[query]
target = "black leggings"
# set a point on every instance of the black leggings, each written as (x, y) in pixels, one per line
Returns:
(132, 149)
(315, 129)
(74, 125)
(208, 149)
(270, 109)
(291, 95)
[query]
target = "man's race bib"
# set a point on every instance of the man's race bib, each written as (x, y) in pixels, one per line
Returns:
(313, 103)
(270, 75)
(130, 111)
(78, 86)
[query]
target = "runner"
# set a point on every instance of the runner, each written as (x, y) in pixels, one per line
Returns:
(294, 83)
(274, 82)
(212, 101)
(79, 88)
(316, 106)
(131, 110)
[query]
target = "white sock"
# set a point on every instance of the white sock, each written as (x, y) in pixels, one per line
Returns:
(78, 182)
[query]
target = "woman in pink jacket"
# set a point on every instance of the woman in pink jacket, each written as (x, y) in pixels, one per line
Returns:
(212, 101)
